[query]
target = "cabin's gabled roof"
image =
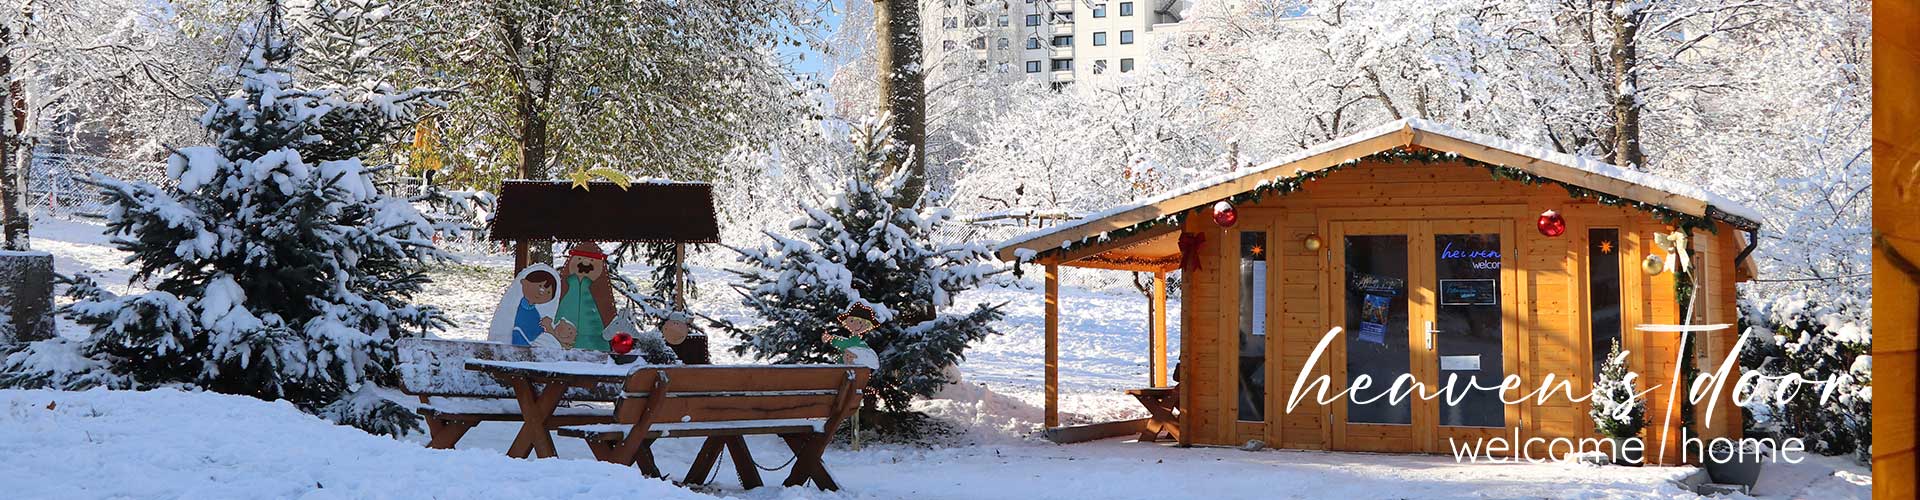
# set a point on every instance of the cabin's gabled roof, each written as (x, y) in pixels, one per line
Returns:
(1594, 175)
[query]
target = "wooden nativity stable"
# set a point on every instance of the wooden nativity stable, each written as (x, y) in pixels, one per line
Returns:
(1424, 245)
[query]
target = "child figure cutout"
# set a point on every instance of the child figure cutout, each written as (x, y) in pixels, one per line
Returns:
(586, 297)
(858, 320)
(527, 307)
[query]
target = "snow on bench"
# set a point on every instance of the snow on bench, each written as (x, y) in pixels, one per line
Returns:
(454, 399)
(685, 429)
(435, 367)
(507, 407)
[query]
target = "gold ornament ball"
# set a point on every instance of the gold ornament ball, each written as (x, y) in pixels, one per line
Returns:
(1312, 242)
(1653, 265)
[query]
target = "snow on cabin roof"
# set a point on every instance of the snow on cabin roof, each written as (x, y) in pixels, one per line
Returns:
(1542, 161)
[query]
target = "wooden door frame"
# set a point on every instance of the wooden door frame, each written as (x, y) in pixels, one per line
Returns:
(1423, 434)
(1411, 435)
(1233, 430)
(1580, 223)
(1510, 333)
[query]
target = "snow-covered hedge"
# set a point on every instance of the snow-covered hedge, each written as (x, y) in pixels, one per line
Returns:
(1794, 337)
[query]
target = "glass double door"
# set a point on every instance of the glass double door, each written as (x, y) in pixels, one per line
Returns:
(1425, 306)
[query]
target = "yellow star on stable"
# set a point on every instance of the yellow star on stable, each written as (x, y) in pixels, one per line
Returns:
(1606, 247)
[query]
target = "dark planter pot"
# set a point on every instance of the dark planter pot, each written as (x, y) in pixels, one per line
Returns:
(625, 359)
(1741, 468)
(26, 296)
(1627, 458)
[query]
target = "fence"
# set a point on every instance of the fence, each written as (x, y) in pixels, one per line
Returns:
(56, 187)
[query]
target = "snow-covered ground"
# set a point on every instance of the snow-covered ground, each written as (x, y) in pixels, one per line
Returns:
(171, 444)
(168, 444)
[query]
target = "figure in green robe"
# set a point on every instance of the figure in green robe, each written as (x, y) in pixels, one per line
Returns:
(586, 296)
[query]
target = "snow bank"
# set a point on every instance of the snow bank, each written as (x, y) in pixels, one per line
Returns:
(173, 444)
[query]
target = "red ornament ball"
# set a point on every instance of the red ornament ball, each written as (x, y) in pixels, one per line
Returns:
(622, 343)
(1224, 214)
(1552, 224)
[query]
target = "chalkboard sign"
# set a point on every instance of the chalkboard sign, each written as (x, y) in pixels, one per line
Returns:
(1474, 292)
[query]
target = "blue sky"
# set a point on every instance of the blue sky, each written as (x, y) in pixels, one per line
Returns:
(808, 60)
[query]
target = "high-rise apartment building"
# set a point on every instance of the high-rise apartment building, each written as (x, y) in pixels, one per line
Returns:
(1054, 41)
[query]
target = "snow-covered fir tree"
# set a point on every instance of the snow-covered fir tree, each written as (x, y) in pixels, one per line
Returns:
(1617, 410)
(277, 269)
(1813, 343)
(856, 246)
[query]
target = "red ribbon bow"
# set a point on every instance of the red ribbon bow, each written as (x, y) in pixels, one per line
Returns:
(1190, 250)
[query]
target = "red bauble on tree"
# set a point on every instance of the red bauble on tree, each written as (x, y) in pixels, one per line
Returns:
(621, 343)
(1552, 224)
(1224, 214)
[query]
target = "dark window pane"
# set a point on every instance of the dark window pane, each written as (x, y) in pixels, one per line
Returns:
(1377, 325)
(1468, 332)
(1253, 325)
(1603, 292)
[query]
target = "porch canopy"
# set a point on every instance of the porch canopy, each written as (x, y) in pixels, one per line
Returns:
(1144, 236)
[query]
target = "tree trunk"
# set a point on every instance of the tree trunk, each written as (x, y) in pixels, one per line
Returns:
(903, 94)
(529, 107)
(533, 165)
(1626, 87)
(13, 219)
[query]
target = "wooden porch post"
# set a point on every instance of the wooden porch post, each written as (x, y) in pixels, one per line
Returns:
(1053, 345)
(679, 276)
(1159, 343)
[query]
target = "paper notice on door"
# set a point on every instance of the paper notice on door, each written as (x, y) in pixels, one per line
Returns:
(1259, 298)
(1460, 363)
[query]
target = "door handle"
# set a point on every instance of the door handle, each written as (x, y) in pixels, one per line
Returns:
(1430, 332)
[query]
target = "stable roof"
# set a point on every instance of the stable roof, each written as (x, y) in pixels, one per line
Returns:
(645, 211)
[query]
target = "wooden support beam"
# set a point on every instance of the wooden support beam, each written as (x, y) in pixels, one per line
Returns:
(679, 276)
(1159, 342)
(1053, 345)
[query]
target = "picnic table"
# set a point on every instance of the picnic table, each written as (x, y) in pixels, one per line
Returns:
(801, 404)
(539, 387)
(1161, 403)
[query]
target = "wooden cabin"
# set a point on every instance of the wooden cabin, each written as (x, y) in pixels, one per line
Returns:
(1424, 245)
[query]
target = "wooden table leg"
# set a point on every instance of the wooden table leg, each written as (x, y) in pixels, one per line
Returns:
(1161, 419)
(603, 451)
(807, 465)
(443, 434)
(536, 404)
(743, 464)
(703, 463)
(644, 459)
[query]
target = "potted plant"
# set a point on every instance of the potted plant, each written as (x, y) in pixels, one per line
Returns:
(1730, 463)
(1617, 413)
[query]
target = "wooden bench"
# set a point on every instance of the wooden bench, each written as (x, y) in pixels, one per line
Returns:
(454, 399)
(1163, 404)
(803, 404)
